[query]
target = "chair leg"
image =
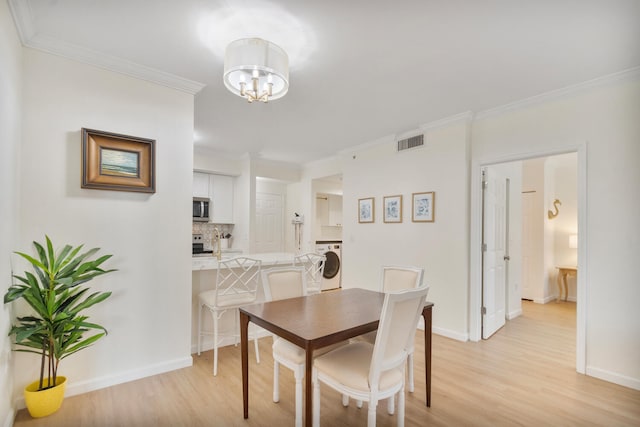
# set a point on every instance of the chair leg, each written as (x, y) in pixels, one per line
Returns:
(391, 405)
(345, 400)
(410, 363)
(316, 400)
(199, 327)
(401, 407)
(255, 342)
(215, 343)
(236, 327)
(371, 418)
(276, 381)
(299, 374)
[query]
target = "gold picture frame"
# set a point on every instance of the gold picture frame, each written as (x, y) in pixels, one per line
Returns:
(366, 210)
(392, 209)
(111, 161)
(423, 207)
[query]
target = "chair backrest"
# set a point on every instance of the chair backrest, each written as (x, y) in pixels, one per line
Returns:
(314, 268)
(396, 278)
(396, 331)
(238, 277)
(284, 282)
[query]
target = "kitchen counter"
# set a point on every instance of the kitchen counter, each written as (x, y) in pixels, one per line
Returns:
(269, 259)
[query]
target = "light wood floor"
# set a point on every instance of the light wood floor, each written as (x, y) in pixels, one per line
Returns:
(523, 376)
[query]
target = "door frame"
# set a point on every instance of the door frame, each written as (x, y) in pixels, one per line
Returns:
(475, 244)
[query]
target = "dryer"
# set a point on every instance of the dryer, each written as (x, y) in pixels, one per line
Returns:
(331, 277)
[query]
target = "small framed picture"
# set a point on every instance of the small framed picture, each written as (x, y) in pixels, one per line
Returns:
(393, 209)
(423, 207)
(366, 210)
(112, 161)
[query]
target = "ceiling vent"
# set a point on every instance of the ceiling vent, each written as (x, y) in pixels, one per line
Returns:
(413, 142)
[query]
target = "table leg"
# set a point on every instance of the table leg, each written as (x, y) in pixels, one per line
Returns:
(308, 387)
(427, 315)
(244, 350)
(559, 282)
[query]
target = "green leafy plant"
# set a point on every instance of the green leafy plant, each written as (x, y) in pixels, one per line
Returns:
(57, 328)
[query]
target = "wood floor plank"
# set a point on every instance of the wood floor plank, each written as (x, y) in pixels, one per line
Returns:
(523, 376)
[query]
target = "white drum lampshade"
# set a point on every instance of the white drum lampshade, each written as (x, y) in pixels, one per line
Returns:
(256, 69)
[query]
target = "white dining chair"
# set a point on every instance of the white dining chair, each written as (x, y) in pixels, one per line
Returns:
(395, 278)
(237, 281)
(314, 268)
(283, 283)
(369, 372)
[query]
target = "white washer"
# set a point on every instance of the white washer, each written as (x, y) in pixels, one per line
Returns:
(331, 277)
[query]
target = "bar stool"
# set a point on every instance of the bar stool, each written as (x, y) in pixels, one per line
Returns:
(237, 282)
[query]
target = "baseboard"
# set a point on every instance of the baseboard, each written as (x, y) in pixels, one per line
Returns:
(513, 314)
(613, 377)
(451, 334)
(81, 387)
(9, 418)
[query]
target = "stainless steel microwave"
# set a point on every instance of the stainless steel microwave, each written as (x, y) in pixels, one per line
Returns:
(201, 209)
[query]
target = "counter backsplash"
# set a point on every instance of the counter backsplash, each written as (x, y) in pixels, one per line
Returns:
(206, 229)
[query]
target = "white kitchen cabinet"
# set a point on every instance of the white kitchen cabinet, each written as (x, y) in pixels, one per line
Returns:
(221, 195)
(200, 184)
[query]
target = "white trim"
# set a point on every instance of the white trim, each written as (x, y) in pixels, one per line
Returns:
(475, 234)
(112, 63)
(23, 19)
(9, 418)
(581, 282)
(467, 116)
(626, 75)
(513, 314)
(75, 388)
(448, 333)
(612, 377)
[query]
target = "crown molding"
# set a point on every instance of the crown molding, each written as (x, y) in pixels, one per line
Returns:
(622, 76)
(465, 117)
(23, 19)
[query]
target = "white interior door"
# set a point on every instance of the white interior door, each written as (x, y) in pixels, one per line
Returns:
(493, 257)
(269, 223)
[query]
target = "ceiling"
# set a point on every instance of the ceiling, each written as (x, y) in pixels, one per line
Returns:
(360, 70)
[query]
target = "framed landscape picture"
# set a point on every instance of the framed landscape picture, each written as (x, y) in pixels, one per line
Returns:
(393, 209)
(112, 161)
(366, 210)
(423, 207)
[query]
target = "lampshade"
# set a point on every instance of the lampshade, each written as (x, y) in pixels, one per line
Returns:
(573, 241)
(256, 69)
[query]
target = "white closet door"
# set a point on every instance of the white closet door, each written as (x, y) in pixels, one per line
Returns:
(269, 223)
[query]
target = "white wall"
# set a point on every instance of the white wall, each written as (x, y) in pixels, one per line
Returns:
(148, 315)
(603, 117)
(440, 247)
(561, 174)
(10, 128)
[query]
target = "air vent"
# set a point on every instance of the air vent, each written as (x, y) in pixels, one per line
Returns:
(413, 142)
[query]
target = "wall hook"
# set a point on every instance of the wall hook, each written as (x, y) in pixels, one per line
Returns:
(552, 215)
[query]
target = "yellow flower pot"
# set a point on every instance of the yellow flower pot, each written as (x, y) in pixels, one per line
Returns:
(45, 402)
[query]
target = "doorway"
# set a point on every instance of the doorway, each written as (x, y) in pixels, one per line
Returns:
(555, 241)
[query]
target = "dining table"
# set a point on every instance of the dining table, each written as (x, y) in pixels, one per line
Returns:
(315, 321)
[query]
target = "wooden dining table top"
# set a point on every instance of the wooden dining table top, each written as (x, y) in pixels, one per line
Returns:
(305, 319)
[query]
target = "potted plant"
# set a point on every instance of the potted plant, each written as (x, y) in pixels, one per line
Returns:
(57, 328)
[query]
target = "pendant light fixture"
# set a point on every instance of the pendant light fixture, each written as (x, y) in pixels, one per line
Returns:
(256, 70)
